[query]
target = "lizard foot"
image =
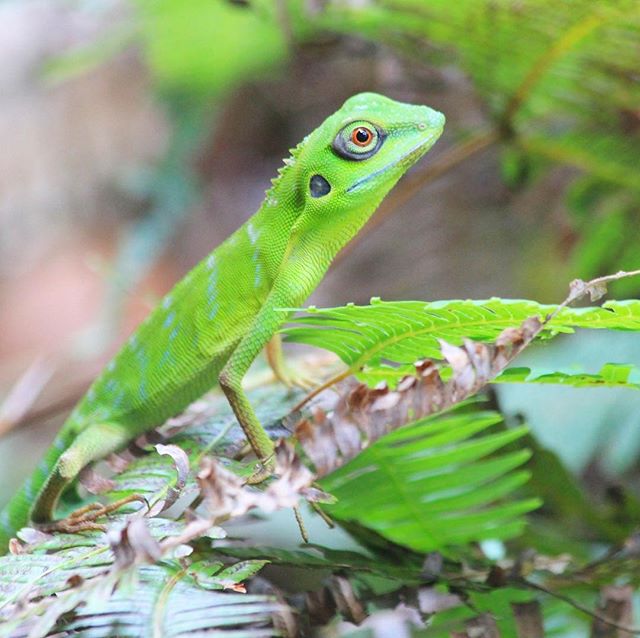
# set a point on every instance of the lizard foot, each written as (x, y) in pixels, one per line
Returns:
(294, 377)
(84, 518)
(291, 376)
(298, 379)
(263, 471)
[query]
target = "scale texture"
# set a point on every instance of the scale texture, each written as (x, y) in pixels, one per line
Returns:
(216, 320)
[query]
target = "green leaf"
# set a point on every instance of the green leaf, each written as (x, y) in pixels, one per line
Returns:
(436, 483)
(164, 596)
(210, 46)
(377, 340)
(73, 575)
(610, 375)
(176, 609)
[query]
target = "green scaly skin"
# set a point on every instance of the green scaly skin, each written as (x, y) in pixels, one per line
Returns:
(215, 321)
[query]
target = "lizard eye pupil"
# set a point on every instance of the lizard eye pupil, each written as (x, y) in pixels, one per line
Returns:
(361, 136)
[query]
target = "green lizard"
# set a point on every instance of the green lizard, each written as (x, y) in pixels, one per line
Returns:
(215, 322)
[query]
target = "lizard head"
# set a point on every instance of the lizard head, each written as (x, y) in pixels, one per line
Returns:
(352, 160)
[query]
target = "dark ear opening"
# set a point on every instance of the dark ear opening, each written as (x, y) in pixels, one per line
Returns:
(319, 186)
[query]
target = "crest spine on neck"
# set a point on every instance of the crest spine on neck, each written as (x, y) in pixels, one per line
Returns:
(288, 164)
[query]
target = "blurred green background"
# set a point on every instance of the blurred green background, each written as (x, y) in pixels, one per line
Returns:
(137, 134)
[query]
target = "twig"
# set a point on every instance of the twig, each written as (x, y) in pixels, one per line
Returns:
(301, 526)
(576, 605)
(24, 393)
(341, 376)
(595, 288)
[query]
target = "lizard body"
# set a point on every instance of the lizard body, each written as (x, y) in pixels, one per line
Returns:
(216, 320)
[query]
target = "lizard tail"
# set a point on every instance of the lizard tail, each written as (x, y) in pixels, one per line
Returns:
(15, 515)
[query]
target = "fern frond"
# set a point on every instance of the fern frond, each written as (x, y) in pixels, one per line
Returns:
(436, 483)
(97, 599)
(610, 375)
(378, 341)
(160, 596)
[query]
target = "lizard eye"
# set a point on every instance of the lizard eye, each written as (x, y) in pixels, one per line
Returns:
(358, 141)
(361, 136)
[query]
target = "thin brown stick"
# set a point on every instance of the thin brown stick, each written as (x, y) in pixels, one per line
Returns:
(341, 376)
(523, 582)
(301, 525)
(25, 393)
(323, 515)
(57, 406)
(594, 287)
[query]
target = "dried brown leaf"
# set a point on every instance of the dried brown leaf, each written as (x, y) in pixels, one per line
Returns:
(181, 463)
(16, 547)
(133, 544)
(615, 610)
(432, 601)
(194, 529)
(119, 462)
(595, 289)
(395, 622)
(284, 618)
(226, 496)
(94, 482)
(320, 606)
(362, 415)
(346, 600)
(29, 535)
(554, 564)
(528, 617)
(180, 460)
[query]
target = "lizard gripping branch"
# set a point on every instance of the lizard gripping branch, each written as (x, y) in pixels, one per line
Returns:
(215, 321)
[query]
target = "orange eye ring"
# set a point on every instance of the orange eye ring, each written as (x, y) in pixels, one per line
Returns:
(361, 136)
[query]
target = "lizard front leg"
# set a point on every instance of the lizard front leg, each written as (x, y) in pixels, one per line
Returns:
(230, 379)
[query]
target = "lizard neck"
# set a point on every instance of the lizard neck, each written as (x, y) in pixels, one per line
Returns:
(268, 232)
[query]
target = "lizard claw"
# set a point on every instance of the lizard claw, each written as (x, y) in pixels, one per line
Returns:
(285, 373)
(84, 518)
(294, 376)
(263, 471)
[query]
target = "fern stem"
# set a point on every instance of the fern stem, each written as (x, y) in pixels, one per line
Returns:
(562, 45)
(321, 388)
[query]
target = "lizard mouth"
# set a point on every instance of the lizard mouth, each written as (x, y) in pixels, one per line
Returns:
(409, 157)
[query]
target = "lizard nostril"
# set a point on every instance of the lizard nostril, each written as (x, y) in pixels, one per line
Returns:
(422, 126)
